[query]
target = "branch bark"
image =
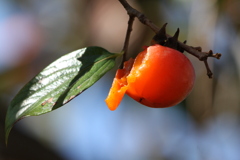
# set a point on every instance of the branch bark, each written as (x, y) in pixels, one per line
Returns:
(127, 38)
(195, 51)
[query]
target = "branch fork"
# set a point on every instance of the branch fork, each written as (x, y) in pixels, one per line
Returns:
(181, 46)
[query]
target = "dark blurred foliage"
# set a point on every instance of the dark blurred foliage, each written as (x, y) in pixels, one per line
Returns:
(33, 33)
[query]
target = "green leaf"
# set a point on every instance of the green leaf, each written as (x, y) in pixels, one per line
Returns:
(59, 83)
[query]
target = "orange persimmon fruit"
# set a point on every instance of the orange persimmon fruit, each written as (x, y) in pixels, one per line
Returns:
(159, 77)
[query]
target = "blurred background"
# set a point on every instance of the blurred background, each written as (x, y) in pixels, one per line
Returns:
(206, 126)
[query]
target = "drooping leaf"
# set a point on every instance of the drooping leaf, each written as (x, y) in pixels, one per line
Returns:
(59, 83)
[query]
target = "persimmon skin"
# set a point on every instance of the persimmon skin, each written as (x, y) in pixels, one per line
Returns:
(159, 77)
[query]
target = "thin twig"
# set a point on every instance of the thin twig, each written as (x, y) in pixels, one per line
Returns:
(127, 38)
(209, 72)
(195, 51)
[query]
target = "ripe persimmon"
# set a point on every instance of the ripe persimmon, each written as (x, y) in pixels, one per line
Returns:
(159, 77)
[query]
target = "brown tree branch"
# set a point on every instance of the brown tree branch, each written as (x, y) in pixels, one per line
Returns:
(195, 51)
(127, 38)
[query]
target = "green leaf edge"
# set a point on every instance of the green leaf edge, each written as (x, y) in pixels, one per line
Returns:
(9, 128)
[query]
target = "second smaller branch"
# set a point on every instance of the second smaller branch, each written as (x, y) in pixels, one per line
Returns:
(127, 38)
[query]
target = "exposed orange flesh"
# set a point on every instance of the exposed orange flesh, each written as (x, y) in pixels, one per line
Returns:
(119, 86)
(159, 77)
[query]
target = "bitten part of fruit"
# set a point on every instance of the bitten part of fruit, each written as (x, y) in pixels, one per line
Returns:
(119, 86)
(159, 77)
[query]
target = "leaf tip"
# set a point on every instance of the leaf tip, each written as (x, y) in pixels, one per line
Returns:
(7, 132)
